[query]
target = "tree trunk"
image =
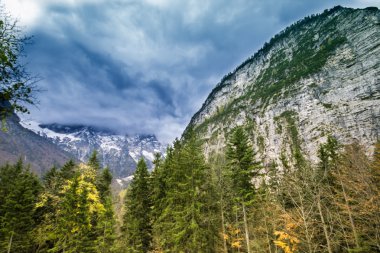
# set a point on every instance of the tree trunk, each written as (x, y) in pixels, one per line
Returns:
(267, 232)
(304, 219)
(323, 224)
(237, 222)
(349, 213)
(223, 229)
(246, 229)
(10, 243)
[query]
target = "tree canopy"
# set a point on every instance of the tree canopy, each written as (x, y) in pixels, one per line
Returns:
(17, 86)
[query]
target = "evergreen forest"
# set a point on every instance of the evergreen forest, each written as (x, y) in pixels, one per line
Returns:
(229, 203)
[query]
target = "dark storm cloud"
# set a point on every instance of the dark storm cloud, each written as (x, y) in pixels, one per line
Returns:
(146, 66)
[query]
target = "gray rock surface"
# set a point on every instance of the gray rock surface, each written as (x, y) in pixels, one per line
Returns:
(342, 98)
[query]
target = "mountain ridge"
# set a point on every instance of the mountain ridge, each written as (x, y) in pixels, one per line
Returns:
(20, 143)
(119, 152)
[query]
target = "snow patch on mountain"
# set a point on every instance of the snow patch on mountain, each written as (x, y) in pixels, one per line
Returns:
(44, 132)
(148, 155)
(119, 152)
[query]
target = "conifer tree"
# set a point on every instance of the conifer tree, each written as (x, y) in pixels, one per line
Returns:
(47, 207)
(157, 186)
(137, 226)
(106, 235)
(242, 169)
(19, 190)
(162, 183)
(328, 155)
(93, 161)
(68, 170)
(189, 212)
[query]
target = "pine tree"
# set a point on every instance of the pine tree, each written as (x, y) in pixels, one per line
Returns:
(106, 233)
(242, 169)
(328, 155)
(93, 161)
(47, 209)
(49, 203)
(105, 225)
(19, 190)
(157, 186)
(162, 182)
(187, 219)
(136, 221)
(68, 170)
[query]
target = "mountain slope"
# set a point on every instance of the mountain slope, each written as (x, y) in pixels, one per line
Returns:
(319, 76)
(18, 142)
(120, 153)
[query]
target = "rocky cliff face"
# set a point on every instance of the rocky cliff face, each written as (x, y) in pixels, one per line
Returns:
(319, 76)
(119, 152)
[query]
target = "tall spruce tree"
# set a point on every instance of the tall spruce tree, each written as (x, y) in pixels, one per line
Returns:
(189, 212)
(328, 155)
(93, 161)
(105, 225)
(157, 186)
(242, 168)
(68, 170)
(162, 183)
(137, 226)
(19, 190)
(106, 233)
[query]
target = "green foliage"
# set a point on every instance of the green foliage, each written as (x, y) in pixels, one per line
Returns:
(19, 190)
(328, 156)
(103, 183)
(68, 170)
(241, 165)
(185, 222)
(291, 126)
(16, 85)
(93, 161)
(76, 233)
(76, 210)
(137, 227)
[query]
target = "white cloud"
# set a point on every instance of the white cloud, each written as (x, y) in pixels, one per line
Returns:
(25, 11)
(365, 3)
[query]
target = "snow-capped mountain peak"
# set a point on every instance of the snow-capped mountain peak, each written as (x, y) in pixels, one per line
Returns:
(119, 152)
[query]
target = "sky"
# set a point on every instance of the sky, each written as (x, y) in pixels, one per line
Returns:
(144, 66)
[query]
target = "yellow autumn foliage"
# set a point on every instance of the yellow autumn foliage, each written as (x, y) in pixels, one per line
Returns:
(236, 244)
(285, 240)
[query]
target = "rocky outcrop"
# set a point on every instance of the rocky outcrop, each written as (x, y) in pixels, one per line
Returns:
(318, 77)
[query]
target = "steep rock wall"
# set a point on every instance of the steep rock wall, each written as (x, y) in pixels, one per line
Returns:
(318, 77)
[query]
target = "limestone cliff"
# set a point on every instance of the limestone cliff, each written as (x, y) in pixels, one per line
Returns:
(319, 76)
